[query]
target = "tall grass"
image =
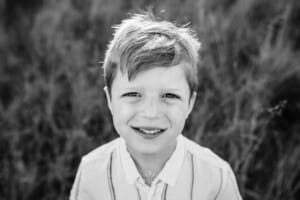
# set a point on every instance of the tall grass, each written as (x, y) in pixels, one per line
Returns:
(53, 109)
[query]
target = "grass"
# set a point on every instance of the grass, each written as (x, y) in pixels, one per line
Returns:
(53, 109)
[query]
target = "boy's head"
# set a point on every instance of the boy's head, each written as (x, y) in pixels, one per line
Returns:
(143, 42)
(151, 77)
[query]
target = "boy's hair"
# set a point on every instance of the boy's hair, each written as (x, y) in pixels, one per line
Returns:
(142, 42)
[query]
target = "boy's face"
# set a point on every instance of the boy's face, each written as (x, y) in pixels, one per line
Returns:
(150, 110)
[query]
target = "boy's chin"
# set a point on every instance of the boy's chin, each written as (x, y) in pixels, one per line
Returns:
(146, 149)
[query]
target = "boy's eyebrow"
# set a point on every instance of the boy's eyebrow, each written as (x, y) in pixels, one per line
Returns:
(132, 88)
(172, 89)
(166, 89)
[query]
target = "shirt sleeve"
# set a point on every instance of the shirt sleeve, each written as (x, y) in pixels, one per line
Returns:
(78, 192)
(75, 188)
(229, 188)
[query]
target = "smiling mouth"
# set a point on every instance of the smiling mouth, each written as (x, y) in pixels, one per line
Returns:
(149, 131)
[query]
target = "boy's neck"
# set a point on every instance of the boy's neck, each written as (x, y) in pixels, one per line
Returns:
(150, 165)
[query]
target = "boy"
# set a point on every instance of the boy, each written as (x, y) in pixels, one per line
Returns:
(150, 69)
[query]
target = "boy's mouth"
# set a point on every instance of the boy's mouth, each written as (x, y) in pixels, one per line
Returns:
(147, 131)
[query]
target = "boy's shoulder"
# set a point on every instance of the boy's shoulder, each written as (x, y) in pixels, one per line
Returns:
(100, 155)
(204, 155)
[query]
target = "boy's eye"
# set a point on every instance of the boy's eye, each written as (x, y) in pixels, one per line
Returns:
(171, 96)
(132, 94)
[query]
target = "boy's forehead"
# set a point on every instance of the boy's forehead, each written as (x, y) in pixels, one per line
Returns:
(133, 74)
(166, 74)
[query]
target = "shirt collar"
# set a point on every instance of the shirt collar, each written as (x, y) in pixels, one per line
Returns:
(130, 170)
(170, 171)
(172, 168)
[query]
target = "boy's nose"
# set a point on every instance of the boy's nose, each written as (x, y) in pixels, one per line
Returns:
(150, 108)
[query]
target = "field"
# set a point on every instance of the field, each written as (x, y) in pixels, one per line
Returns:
(53, 109)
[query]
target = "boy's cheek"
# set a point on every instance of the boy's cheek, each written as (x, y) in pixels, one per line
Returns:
(123, 109)
(119, 110)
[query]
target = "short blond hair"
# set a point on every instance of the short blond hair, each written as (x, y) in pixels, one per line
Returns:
(142, 42)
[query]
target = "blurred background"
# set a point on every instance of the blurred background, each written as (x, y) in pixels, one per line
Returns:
(53, 109)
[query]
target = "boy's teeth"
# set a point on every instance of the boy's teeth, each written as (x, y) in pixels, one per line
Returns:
(154, 131)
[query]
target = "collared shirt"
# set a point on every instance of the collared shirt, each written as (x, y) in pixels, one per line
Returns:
(167, 176)
(192, 172)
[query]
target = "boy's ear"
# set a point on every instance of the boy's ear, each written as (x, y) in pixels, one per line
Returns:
(192, 103)
(108, 98)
